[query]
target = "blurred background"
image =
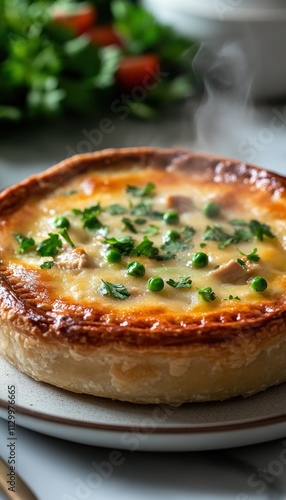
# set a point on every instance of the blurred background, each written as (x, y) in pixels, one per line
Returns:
(78, 76)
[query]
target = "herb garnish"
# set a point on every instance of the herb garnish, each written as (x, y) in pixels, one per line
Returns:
(115, 290)
(116, 209)
(49, 247)
(128, 224)
(260, 230)
(89, 217)
(138, 191)
(142, 208)
(123, 244)
(63, 232)
(207, 294)
(182, 283)
(253, 256)
(152, 230)
(48, 264)
(217, 233)
(178, 242)
(145, 248)
(231, 297)
(25, 242)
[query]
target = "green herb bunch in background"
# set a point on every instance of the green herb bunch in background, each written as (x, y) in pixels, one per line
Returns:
(79, 58)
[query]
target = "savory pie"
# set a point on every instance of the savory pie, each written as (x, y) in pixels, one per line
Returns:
(146, 275)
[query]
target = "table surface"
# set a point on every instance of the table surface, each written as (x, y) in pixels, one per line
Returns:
(60, 470)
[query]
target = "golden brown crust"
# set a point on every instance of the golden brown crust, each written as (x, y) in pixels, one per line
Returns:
(32, 313)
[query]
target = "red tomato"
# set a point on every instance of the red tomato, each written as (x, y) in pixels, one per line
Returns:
(80, 19)
(104, 35)
(137, 70)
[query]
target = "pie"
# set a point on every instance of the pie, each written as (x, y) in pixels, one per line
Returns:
(146, 275)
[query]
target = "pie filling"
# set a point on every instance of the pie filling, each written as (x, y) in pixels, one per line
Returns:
(136, 242)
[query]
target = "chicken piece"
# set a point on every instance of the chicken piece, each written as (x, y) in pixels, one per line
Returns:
(230, 272)
(179, 203)
(74, 259)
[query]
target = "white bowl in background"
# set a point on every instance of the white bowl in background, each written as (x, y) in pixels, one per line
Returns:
(256, 27)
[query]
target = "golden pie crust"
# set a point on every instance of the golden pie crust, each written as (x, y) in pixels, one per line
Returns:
(163, 347)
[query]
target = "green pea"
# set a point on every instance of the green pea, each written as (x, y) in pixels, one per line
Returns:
(136, 269)
(171, 217)
(199, 260)
(259, 284)
(62, 222)
(172, 235)
(155, 284)
(211, 209)
(113, 256)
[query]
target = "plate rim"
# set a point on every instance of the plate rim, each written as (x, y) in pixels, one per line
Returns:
(246, 424)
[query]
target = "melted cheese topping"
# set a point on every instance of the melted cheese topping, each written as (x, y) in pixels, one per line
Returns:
(77, 274)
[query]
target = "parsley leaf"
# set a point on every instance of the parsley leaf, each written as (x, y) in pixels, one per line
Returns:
(128, 225)
(48, 264)
(231, 297)
(253, 256)
(124, 244)
(260, 230)
(182, 283)
(145, 248)
(25, 242)
(217, 233)
(207, 294)
(137, 191)
(89, 217)
(115, 290)
(116, 209)
(49, 247)
(152, 230)
(241, 262)
(142, 208)
(63, 232)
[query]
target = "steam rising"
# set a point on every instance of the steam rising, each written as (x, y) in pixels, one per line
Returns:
(225, 106)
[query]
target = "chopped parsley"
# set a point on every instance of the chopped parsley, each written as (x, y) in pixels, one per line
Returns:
(124, 244)
(138, 191)
(62, 222)
(116, 209)
(217, 233)
(207, 294)
(49, 247)
(182, 283)
(260, 230)
(142, 209)
(89, 217)
(128, 224)
(152, 230)
(115, 290)
(180, 242)
(243, 232)
(63, 232)
(48, 264)
(145, 248)
(253, 255)
(140, 221)
(241, 262)
(231, 297)
(25, 242)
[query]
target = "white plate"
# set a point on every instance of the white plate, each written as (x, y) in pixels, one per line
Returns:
(96, 421)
